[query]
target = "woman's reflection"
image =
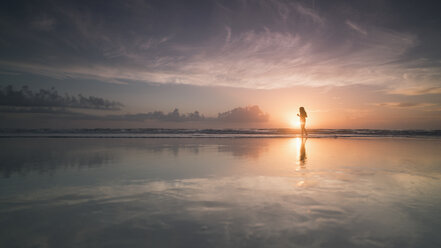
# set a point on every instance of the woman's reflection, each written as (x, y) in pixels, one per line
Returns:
(302, 152)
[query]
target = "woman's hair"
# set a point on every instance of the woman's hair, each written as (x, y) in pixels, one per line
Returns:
(303, 112)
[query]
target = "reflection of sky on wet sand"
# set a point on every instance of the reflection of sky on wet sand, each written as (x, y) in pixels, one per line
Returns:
(221, 192)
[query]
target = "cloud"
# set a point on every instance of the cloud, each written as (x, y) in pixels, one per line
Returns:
(249, 114)
(405, 105)
(275, 44)
(38, 110)
(228, 37)
(246, 114)
(309, 13)
(356, 27)
(239, 114)
(254, 59)
(414, 91)
(50, 98)
(44, 24)
(173, 116)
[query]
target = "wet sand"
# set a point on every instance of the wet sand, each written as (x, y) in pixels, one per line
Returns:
(228, 192)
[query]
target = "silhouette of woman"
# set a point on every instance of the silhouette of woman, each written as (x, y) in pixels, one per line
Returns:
(303, 116)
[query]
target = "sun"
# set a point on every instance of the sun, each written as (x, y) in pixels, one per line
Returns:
(295, 122)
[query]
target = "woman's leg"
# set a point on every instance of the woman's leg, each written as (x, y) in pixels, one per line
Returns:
(303, 128)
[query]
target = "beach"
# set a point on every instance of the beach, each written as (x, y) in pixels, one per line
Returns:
(220, 192)
(233, 123)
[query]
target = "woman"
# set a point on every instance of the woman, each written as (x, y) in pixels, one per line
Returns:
(303, 116)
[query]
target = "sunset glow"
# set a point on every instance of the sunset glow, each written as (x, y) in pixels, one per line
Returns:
(295, 122)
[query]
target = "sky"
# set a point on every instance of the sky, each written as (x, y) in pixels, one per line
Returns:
(220, 64)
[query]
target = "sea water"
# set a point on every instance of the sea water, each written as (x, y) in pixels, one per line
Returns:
(229, 191)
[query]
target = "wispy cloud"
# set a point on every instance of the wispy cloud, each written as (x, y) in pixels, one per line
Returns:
(44, 23)
(414, 91)
(228, 37)
(356, 27)
(309, 13)
(252, 59)
(287, 44)
(405, 105)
